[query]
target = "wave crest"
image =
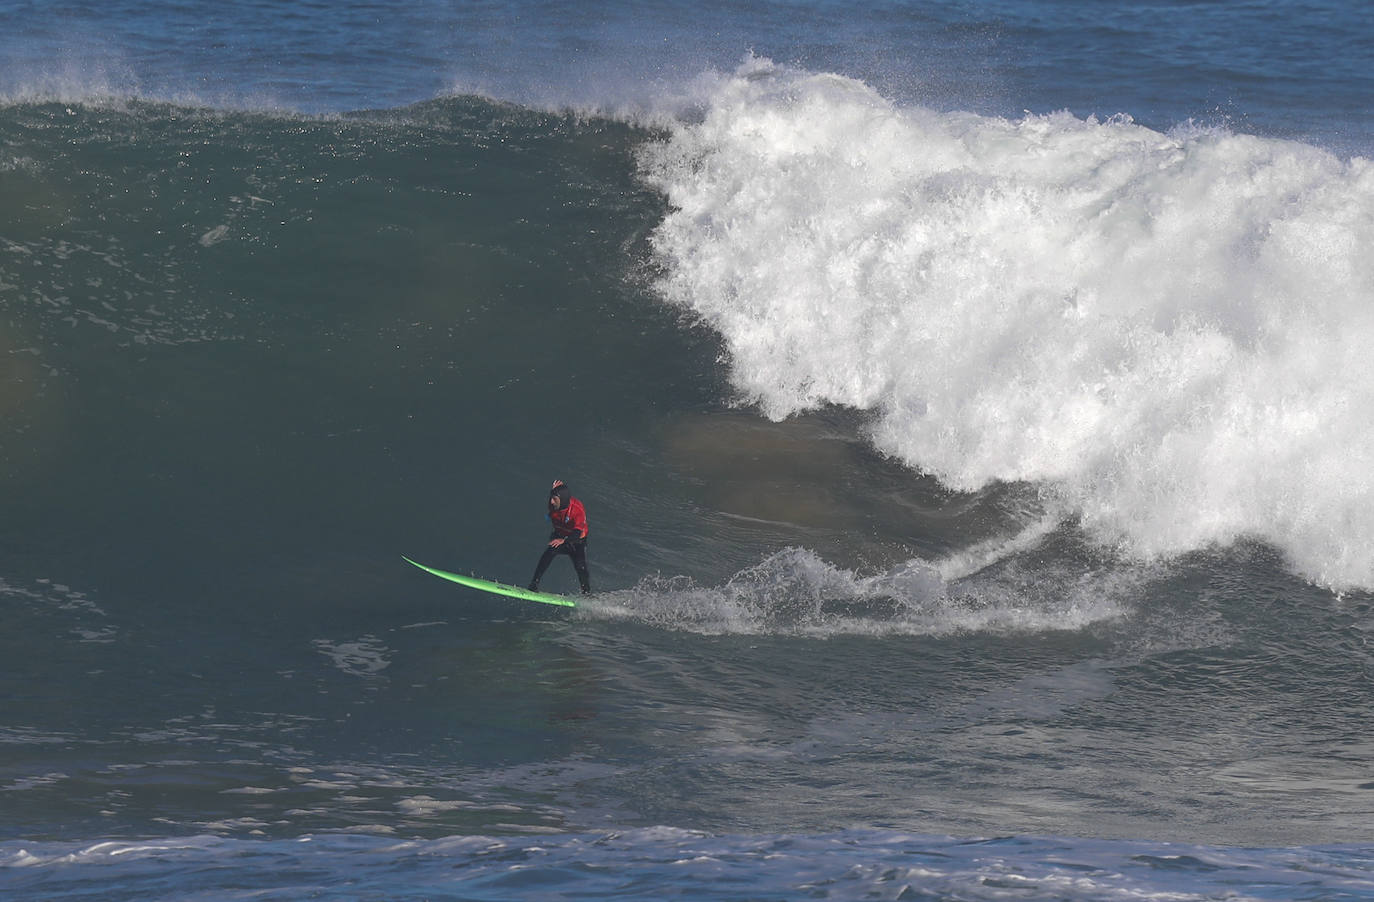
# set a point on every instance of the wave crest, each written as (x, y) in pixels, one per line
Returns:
(1168, 332)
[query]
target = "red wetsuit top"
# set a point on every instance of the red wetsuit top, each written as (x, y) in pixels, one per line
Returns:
(570, 522)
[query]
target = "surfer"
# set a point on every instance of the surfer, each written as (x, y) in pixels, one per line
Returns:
(569, 536)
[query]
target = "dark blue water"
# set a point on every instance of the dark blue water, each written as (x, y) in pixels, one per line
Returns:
(1292, 69)
(971, 403)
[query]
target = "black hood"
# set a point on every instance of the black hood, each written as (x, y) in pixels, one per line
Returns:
(563, 494)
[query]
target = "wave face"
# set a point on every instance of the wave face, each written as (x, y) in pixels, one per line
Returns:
(1167, 332)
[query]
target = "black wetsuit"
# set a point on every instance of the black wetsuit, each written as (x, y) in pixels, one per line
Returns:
(569, 524)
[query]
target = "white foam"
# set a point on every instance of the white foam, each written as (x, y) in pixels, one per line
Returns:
(365, 657)
(795, 592)
(1169, 333)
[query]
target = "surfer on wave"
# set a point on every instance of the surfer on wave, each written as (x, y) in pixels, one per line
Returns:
(569, 536)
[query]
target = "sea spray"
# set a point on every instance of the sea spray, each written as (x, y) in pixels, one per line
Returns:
(794, 592)
(1167, 332)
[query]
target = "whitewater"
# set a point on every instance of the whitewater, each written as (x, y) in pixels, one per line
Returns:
(1165, 333)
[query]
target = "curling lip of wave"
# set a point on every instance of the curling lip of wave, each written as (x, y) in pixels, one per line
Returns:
(1167, 332)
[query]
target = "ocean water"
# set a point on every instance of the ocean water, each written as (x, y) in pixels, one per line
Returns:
(972, 403)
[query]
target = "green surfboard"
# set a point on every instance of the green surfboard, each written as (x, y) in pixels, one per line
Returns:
(495, 588)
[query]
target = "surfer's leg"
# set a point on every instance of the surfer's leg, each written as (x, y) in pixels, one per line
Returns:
(544, 560)
(579, 559)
